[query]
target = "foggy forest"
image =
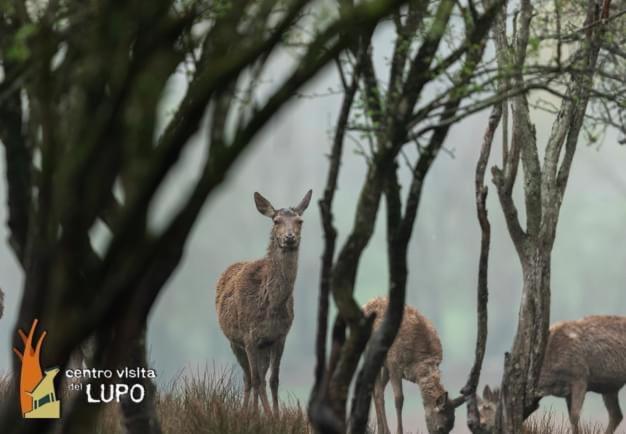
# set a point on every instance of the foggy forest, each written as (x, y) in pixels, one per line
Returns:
(465, 158)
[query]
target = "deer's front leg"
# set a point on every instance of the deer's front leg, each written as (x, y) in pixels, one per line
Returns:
(259, 362)
(276, 356)
(379, 401)
(611, 402)
(396, 384)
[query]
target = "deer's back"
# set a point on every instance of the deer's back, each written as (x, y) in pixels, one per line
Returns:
(593, 348)
(417, 341)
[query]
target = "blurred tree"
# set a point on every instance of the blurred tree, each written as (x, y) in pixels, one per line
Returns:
(80, 88)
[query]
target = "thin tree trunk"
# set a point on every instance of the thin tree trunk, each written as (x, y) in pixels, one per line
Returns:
(523, 364)
(469, 390)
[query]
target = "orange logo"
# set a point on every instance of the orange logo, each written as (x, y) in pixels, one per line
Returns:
(38, 399)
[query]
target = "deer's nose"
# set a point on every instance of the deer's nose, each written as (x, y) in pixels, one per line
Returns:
(290, 237)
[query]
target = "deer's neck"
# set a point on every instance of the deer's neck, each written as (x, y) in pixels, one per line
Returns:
(431, 388)
(282, 269)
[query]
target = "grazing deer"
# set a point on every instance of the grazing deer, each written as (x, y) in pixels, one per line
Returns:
(487, 407)
(587, 355)
(254, 302)
(415, 356)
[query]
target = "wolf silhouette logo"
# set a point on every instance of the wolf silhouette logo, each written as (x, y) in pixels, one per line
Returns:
(38, 399)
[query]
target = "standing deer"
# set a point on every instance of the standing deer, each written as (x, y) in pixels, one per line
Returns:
(254, 302)
(587, 355)
(415, 356)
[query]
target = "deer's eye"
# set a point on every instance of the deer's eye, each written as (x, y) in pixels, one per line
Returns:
(299, 222)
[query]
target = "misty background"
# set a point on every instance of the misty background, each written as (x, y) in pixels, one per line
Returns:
(288, 158)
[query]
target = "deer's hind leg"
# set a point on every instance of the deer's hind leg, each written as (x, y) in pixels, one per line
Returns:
(575, 404)
(611, 402)
(242, 358)
(379, 401)
(276, 356)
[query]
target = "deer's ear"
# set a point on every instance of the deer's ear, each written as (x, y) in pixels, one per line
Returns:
(442, 400)
(304, 203)
(263, 205)
(487, 394)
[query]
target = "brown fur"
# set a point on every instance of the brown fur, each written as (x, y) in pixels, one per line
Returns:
(415, 355)
(488, 406)
(254, 302)
(587, 355)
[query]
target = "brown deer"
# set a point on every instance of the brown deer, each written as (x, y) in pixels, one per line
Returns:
(587, 355)
(415, 356)
(254, 302)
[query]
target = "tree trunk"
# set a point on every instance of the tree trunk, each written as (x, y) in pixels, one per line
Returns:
(522, 366)
(140, 418)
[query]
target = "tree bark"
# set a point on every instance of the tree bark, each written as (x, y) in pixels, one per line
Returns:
(522, 366)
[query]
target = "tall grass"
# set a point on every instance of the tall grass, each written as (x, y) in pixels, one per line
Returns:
(209, 401)
(549, 423)
(200, 402)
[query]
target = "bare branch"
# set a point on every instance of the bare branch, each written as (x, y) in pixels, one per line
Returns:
(473, 418)
(318, 414)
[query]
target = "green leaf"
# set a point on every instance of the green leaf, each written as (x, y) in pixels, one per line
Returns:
(18, 50)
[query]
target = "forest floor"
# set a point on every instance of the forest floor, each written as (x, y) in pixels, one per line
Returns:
(210, 402)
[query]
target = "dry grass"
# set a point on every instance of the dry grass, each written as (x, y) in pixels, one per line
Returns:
(203, 402)
(209, 401)
(5, 384)
(549, 423)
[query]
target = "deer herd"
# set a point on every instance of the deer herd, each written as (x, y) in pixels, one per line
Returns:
(255, 309)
